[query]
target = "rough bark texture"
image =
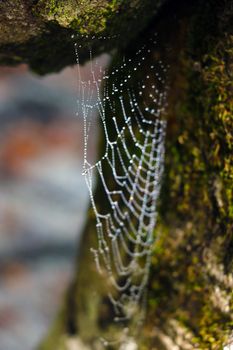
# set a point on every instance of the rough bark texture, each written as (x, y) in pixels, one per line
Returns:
(190, 289)
(191, 298)
(38, 32)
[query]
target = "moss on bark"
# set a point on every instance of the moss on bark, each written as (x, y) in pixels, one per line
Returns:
(39, 32)
(191, 280)
(94, 17)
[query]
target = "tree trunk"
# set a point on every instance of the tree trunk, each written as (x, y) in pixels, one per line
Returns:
(38, 32)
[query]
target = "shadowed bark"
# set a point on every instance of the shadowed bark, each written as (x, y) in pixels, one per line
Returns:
(38, 32)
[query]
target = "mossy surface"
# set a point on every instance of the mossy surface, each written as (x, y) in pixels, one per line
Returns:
(39, 32)
(99, 16)
(191, 279)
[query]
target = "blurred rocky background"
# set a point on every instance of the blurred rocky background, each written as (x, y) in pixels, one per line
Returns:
(43, 198)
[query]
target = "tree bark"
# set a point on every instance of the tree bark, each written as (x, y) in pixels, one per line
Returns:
(38, 32)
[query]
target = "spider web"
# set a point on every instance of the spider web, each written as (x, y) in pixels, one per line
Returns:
(129, 170)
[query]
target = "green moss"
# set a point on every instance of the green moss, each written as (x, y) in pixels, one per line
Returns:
(102, 16)
(84, 16)
(196, 210)
(42, 29)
